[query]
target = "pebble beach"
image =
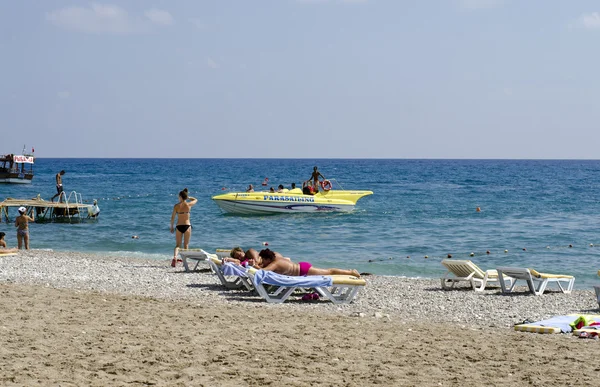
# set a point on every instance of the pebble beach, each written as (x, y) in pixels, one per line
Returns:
(72, 318)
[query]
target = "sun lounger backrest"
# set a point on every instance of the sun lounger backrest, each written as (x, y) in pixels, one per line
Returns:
(463, 268)
(222, 253)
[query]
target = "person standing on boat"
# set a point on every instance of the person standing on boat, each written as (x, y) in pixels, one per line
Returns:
(59, 186)
(183, 230)
(22, 225)
(315, 178)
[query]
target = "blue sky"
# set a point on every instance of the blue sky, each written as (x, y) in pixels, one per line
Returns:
(301, 78)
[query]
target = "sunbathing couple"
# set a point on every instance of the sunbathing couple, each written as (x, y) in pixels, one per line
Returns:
(273, 261)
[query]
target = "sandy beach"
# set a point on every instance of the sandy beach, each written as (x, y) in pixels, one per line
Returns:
(74, 319)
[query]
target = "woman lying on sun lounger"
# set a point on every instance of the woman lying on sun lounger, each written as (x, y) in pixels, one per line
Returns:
(249, 258)
(273, 261)
(268, 260)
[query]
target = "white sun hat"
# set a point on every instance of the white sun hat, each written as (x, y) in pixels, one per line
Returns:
(22, 210)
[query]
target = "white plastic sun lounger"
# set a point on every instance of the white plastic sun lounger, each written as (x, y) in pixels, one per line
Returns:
(237, 281)
(215, 264)
(222, 253)
(339, 289)
(565, 282)
(7, 254)
(459, 270)
(197, 255)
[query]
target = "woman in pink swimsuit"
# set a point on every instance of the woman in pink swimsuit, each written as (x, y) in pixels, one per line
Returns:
(271, 262)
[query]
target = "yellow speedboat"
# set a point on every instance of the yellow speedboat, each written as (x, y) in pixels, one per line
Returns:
(289, 201)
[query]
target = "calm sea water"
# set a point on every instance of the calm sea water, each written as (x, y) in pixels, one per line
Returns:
(532, 209)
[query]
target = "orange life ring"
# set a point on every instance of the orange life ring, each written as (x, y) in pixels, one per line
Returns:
(326, 185)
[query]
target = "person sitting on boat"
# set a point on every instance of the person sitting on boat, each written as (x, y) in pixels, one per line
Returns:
(271, 189)
(308, 189)
(3, 248)
(270, 261)
(59, 186)
(294, 189)
(315, 179)
(250, 188)
(280, 188)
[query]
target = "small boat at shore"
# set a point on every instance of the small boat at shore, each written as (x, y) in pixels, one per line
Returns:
(290, 201)
(16, 169)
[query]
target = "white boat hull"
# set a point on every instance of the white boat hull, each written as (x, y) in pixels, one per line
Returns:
(14, 180)
(257, 208)
(294, 201)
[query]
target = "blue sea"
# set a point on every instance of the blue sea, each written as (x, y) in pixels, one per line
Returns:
(421, 211)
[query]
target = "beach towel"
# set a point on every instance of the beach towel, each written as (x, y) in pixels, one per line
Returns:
(272, 278)
(561, 322)
(556, 324)
(232, 269)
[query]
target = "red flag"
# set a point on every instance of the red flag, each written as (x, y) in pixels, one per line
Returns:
(32, 150)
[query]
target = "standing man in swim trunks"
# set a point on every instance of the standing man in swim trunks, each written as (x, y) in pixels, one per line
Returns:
(22, 225)
(59, 186)
(315, 178)
(184, 226)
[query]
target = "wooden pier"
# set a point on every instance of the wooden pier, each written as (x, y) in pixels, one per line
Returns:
(74, 211)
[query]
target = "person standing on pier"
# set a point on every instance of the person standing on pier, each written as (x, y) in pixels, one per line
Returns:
(59, 186)
(22, 225)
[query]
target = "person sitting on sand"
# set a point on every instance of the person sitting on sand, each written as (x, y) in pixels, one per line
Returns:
(269, 261)
(22, 225)
(3, 248)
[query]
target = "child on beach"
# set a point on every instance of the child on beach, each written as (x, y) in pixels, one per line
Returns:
(22, 225)
(3, 248)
